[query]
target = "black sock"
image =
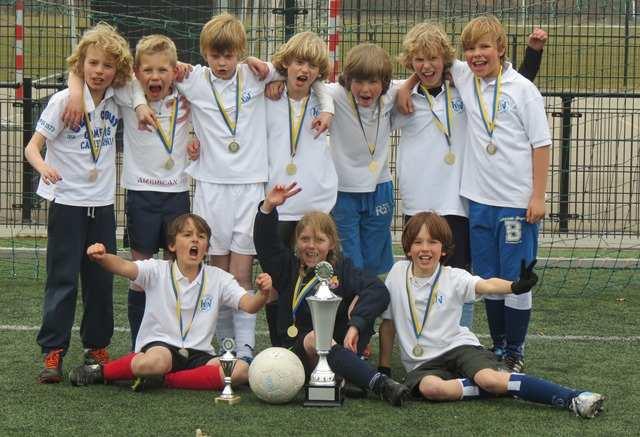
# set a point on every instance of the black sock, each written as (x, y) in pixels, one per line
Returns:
(271, 310)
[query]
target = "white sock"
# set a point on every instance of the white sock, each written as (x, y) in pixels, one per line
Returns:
(244, 325)
(224, 328)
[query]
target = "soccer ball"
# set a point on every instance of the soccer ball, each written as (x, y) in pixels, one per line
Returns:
(276, 375)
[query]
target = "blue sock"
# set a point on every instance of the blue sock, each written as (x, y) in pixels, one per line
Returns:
(471, 391)
(135, 310)
(348, 365)
(495, 319)
(538, 390)
(516, 324)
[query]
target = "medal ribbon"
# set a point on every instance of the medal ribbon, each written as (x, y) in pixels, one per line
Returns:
(354, 106)
(295, 126)
(300, 292)
(489, 124)
(417, 329)
(446, 130)
(231, 124)
(166, 141)
(176, 293)
(95, 149)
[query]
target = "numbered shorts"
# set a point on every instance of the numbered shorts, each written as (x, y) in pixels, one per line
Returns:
(500, 238)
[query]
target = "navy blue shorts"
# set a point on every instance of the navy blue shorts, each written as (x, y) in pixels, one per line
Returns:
(148, 216)
(194, 359)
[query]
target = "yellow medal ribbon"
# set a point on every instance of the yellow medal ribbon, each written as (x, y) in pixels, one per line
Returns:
(300, 292)
(489, 124)
(445, 128)
(95, 149)
(417, 326)
(231, 124)
(177, 292)
(354, 107)
(167, 141)
(295, 125)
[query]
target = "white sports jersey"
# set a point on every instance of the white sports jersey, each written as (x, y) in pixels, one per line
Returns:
(505, 178)
(349, 147)
(426, 182)
(145, 157)
(442, 331)
(160, 321)
(217, 162)
(315, 172)
(69, 152)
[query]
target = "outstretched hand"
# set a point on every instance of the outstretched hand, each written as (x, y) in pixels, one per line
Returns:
(527, 279)
(279, 194)
(264, 283)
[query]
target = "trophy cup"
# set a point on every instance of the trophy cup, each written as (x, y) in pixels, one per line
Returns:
(227, 363)
(322, 390)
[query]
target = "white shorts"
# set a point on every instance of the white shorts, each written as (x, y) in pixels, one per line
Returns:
(230, 210)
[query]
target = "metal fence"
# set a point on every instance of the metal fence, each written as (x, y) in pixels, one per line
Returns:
(590, 79)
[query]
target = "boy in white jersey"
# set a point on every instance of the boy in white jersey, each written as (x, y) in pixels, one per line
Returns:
(296, 152)
(78, 177)
(154, 161)
(434, 137)
(445, 361)
(503, 175)
(185, 295)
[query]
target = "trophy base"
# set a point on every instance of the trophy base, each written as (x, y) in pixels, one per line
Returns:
(317, 396)
(230, 400)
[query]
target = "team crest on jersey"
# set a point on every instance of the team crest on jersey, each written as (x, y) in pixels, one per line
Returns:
(206, 304)
(315, 111)
(512, 229)
(246, 96)
(440, 299)
(457, 106)
(504, 105)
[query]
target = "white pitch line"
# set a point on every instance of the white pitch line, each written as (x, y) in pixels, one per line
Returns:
(541, 337)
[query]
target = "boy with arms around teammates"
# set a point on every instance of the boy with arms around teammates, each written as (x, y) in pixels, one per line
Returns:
(445, 361)
(78, 178)
(503, 175)
(173, 348)
(434, 137)
(154, 161)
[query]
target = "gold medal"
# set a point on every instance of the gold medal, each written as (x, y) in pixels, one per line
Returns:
(234, 147)
(417, 350)
(183, 352)
(373, 166)
(450, 158)
(93, 175)
(169, 164)
(292, 331)
(492, 148)
(291, 169)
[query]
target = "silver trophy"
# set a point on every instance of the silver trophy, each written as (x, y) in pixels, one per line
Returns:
(227, 363)
(322, 390)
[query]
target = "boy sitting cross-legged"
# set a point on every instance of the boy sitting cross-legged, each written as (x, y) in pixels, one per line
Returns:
(184, 297)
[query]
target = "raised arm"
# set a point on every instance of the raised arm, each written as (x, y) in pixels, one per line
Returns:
(533, 54)
(112, 263)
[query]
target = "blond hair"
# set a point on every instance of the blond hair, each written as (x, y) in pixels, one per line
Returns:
(223, 33)
(367, 62)
(153, 44)
(107, 39)
(304, 46)
(482, 26)
(428, 39)
(319, 221)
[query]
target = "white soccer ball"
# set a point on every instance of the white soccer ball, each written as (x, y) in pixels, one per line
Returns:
(276, 375)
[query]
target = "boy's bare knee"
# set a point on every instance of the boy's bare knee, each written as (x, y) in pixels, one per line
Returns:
(240, 373)
(147, 365)
(492, 381)
(432, 388)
